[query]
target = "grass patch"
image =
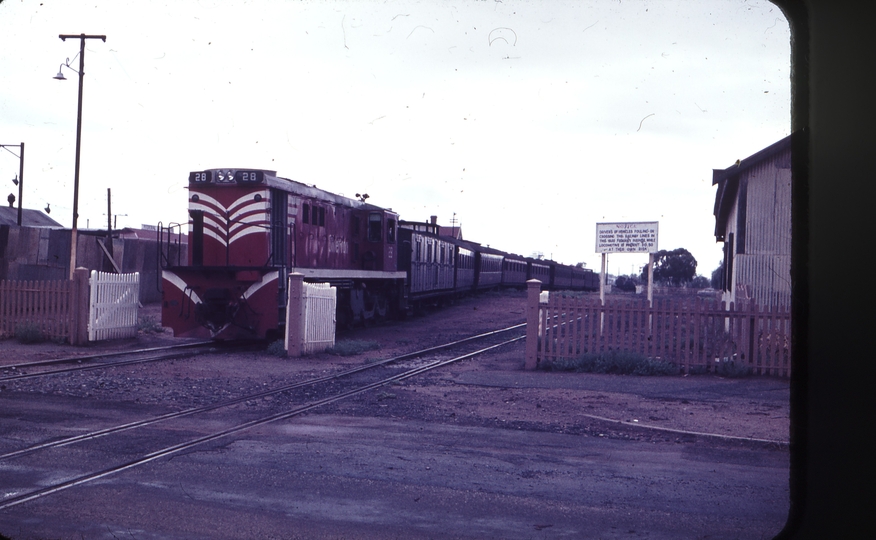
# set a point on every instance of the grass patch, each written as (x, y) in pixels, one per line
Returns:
(28, 332)
(613, 362)
(352, 347)
(148, 325)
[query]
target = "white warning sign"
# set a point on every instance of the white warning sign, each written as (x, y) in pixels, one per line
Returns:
(637, 237)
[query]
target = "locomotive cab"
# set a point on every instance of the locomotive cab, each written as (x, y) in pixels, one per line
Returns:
(377, 246)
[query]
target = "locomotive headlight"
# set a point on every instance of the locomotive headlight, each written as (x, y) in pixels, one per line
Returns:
(225, 176)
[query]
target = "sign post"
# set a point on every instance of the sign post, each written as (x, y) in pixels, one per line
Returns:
(627, 237)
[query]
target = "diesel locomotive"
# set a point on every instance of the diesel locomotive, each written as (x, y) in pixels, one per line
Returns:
(249, 228)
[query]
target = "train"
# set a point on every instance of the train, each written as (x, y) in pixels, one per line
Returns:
(249, 228)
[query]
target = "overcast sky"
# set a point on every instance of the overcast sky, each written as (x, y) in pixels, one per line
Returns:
(530, 121)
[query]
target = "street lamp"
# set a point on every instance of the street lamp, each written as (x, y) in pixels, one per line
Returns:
(18, 180)
(60, 77)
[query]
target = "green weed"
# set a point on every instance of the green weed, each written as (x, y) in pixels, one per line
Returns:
(28, 332)
(352, 347)
(613, 362)
(277, 348)
(148, 325)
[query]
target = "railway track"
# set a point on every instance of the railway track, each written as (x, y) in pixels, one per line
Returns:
(333, 395)
(24, 370)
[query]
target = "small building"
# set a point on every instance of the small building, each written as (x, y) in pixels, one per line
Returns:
(29, 218)
(753, 220)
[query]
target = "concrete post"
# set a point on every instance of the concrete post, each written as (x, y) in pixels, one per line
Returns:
(79, 306)
(295, 315)
(533, 291)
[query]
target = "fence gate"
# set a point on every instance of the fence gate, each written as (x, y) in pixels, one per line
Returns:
(320, 303)
(113, 309)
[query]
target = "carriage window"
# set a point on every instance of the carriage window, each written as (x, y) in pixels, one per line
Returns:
(321, 216)
(356, 226)
(375, 224)
(314, 218)
(390, 231)
(306, 213)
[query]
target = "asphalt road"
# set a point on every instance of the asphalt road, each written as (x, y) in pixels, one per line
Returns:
(360, 477)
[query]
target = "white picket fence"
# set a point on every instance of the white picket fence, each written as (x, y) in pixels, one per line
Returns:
(113, 310)
(320, 305)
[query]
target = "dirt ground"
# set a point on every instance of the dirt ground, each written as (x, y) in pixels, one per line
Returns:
(487, 390)
(479, 449)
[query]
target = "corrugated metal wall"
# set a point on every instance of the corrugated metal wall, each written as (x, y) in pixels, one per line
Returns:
(40, 254)
(762, 264)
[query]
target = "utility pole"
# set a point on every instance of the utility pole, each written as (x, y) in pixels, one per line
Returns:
(60, 76)
(20, 179)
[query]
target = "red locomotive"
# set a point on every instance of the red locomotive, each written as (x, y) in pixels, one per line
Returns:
(249, 228)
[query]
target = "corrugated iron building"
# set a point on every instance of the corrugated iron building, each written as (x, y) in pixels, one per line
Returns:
(43, 253)
(753, 220)
(29, 218)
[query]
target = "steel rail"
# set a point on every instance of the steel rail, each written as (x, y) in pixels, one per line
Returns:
(206, 345)
(228, 403)
(14, 501)
(80, 359)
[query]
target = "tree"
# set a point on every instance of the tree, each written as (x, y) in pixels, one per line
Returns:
(675, 267)
(700, 282)
(625, 283)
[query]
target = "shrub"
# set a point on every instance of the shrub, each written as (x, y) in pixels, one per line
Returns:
(277, 348)
(732, 370)
(28, 332)
(614, 362)
(352, 347)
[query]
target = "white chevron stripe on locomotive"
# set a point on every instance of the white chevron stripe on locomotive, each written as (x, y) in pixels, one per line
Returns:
(245, 216)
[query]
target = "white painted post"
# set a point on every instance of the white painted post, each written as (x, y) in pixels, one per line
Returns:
(295, 315)
(533, 291)
(650, 291)
(602, 292)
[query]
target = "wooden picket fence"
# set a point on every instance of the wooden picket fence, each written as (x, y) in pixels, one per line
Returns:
(38, 307)
(77, 310)
(695, 334)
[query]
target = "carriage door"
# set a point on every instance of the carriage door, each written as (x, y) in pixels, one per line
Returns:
(279, 242)
(291, 232)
